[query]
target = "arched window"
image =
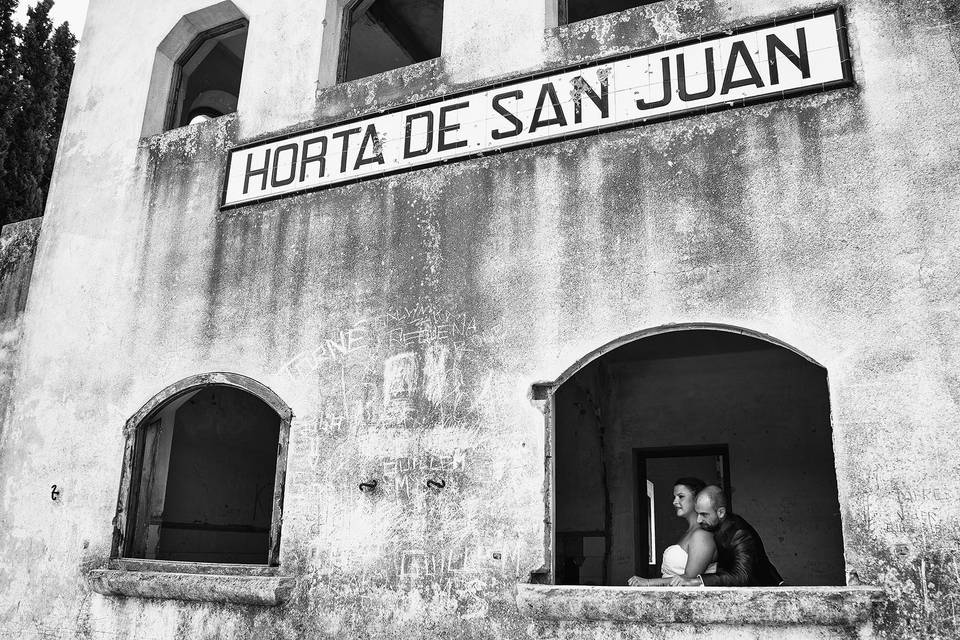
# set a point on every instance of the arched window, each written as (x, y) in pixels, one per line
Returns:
(207, 76)
(204, 472)
(738, 411)
(197, 69)
(575, 10)
(380, 35)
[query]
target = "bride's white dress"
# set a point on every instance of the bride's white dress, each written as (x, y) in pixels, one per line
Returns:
(675, 562)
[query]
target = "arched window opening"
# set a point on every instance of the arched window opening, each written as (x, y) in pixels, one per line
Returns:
(380, 35)
(206, 82)
(204, 476)
(576, 10)
(746, 414)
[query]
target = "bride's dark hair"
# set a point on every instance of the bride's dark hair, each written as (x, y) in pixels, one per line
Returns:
(694, 484)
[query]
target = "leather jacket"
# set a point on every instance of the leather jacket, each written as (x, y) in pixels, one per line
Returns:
(741, 558)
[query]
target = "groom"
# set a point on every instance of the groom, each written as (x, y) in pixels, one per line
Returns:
(741, 558)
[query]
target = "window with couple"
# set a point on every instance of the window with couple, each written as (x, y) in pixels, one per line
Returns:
(718, 548)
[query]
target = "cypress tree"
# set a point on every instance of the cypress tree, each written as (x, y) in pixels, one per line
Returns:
(64, 49)
(11, 88)
(21, 191)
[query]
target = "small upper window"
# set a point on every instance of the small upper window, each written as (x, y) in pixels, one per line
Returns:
(380, 35)
(576, 10)
(206, 79)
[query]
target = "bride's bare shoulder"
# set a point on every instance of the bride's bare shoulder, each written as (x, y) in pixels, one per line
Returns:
(702, 537)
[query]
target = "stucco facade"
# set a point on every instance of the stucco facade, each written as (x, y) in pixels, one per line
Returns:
(827, 222)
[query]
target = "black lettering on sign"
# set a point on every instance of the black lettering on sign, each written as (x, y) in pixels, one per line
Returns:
(345, 134)
(293, 149)
(601, 101)
(682, 78)
(496, 102)
(250, 172)
(306, 158)
(370, 137)
(547, 90)
(667, 89)
(739, 50)
(800, 59)
(428, 143)
(442, 144)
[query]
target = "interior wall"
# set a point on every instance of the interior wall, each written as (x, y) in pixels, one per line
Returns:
(581, 516)
(769, 406)
(219, 494)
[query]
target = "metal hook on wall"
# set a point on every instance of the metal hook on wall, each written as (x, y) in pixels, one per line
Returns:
(439, 484)
(369, 487)
(54, 492)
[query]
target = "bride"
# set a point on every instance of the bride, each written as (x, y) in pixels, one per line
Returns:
(695, 553)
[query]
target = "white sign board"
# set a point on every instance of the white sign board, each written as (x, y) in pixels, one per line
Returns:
(803, 54)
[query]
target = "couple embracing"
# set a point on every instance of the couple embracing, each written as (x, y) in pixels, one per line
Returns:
(719, 548)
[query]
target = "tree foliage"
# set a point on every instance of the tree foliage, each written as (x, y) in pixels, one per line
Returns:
(36, 65)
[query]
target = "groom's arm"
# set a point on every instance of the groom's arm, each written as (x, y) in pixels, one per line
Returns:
(742, 570)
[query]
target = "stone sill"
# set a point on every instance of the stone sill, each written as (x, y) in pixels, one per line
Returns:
(821, 606)
(202, 584)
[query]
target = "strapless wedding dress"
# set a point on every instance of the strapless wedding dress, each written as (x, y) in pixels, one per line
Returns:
(675, 562)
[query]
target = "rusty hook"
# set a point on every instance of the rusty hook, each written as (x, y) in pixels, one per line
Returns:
(439, 484)
(368, 486)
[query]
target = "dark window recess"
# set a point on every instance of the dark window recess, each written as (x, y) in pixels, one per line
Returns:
(206, 79)
(380, 35)
(730, 409)
(203, 479)
(576, 10)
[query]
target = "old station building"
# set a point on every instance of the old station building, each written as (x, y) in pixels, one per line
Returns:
(398, 319)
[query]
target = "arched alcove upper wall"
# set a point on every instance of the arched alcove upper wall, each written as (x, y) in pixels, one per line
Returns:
(192, 383)
(616, 343)
(169, 50)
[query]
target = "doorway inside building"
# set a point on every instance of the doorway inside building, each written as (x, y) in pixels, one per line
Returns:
(656, 471)
(732, 409)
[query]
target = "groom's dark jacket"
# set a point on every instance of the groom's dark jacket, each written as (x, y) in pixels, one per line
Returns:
(741, 558)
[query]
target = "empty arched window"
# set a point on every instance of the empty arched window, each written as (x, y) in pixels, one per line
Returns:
(380, 35)
(197, 68)
(203, 479)
(575, 10)
(206, 81)
(738, 411)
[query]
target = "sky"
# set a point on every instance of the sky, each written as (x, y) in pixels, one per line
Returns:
(72, 11)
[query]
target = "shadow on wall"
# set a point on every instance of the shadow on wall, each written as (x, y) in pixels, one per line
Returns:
(746, 413)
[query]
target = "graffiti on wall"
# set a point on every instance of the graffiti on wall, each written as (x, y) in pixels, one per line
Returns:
(404, 398)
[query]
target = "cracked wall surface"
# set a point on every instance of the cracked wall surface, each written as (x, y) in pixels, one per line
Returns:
(403, 319)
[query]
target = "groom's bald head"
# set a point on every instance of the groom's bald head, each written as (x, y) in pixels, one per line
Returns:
(711, 506)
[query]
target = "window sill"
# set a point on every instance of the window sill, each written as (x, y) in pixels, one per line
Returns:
(820, 606)
(233, 584)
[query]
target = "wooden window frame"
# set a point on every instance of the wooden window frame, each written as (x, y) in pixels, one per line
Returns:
(125, 519)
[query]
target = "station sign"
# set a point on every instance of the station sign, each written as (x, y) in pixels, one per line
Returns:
(789, 57)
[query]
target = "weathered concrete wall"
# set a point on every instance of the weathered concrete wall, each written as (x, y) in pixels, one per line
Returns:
(826, 221)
